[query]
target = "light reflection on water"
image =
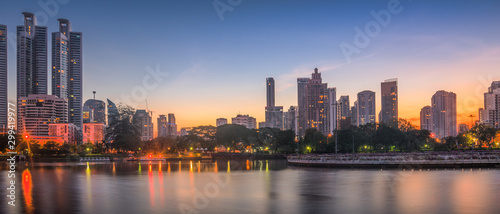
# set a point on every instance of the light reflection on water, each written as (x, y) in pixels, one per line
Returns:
(248, 186)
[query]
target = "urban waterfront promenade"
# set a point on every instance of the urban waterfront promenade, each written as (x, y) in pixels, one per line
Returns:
(398, 160)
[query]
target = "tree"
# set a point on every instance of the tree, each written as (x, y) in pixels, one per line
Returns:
(233, 136)
(483, 135)
(123, 132)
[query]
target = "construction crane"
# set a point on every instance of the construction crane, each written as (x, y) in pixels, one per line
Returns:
(147, 109)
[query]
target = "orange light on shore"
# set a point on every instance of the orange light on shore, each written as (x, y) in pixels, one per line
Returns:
(150, 155)
(159, 156)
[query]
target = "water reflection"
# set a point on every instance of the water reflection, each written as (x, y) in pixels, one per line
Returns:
(250, 186)
(27, 187)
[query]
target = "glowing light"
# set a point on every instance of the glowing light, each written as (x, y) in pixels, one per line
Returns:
(191, 148)
(27, 187)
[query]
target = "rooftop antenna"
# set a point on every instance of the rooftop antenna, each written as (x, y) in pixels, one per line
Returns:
(94, 94)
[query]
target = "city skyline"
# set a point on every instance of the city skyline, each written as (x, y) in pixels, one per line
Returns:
(409, 56)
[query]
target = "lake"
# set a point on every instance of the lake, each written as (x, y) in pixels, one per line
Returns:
(247, 187)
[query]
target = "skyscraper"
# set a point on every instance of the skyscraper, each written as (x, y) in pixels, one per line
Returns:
(317, 103)
(3, 76)
(426, 118)
(270, 91)
(31, 57)
(366, 107)
(274, 114)
(344, 108)
(332, 109)
(491, 112)
(290, 121)
(67, 69)
(99, 109)
(144, 121)
(389, 112)
(162, 125)
(112, 111)
(444, 114)
(172, 126)
(301, 92)
(354, 114)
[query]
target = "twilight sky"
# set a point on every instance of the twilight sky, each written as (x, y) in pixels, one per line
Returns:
(217, 68)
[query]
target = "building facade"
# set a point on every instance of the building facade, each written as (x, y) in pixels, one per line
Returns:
(37, 111)
(172, 125)
(112, 112)
(444, 114)
(491, 112)
(291, 119)
(245, 120)
(317, 103)
(220, 122)
(366, 107)
(389, 111)
(144, 122)
(301, 92)
(426, 118)
(162, 125)
(332, 110)
(99, 110)
(68, 132)
(93, 132)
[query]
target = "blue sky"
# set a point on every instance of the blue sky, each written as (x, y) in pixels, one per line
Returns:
(217, 68)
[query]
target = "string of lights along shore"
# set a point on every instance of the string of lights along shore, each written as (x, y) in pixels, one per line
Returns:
(59, 114)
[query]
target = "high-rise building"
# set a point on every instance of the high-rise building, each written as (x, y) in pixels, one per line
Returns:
(344, 112)
(273, 114)
(491, 112)
(426, 118)
(345, 107)
(389, 93)
(301, 92)
(37, 111)
(112, 112)
(31, 57)
(270, 95)
(172, 126)
(291, 119)
(144, 121)
(366, 107)
(245, 120)
(317, 103)
(67, 69)
(354, 114)
(99, 109)
(220, 122)
(444, 114)
(332, 110)
(88, 114)
(162, 126)
(3, 77)
(481, 115)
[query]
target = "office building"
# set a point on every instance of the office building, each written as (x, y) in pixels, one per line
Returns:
(3, 78)
(481, 115)
(245, 120)
(31, 57)
(291, 119)
(354, 114)
(37, 111)
(220, 122)
(270, 95)
(426, 118)
(491, 112)
(87, 114)
(317, 103)
(301, 92)
(389, 111)
(444, 114)
(99, 110)
(162, 126)
(144, 121)
(273, 114)
(172, 126)
(332, 110)
(112, 112)
(366, 107)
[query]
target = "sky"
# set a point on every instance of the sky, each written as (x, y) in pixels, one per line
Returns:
(203, 62)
